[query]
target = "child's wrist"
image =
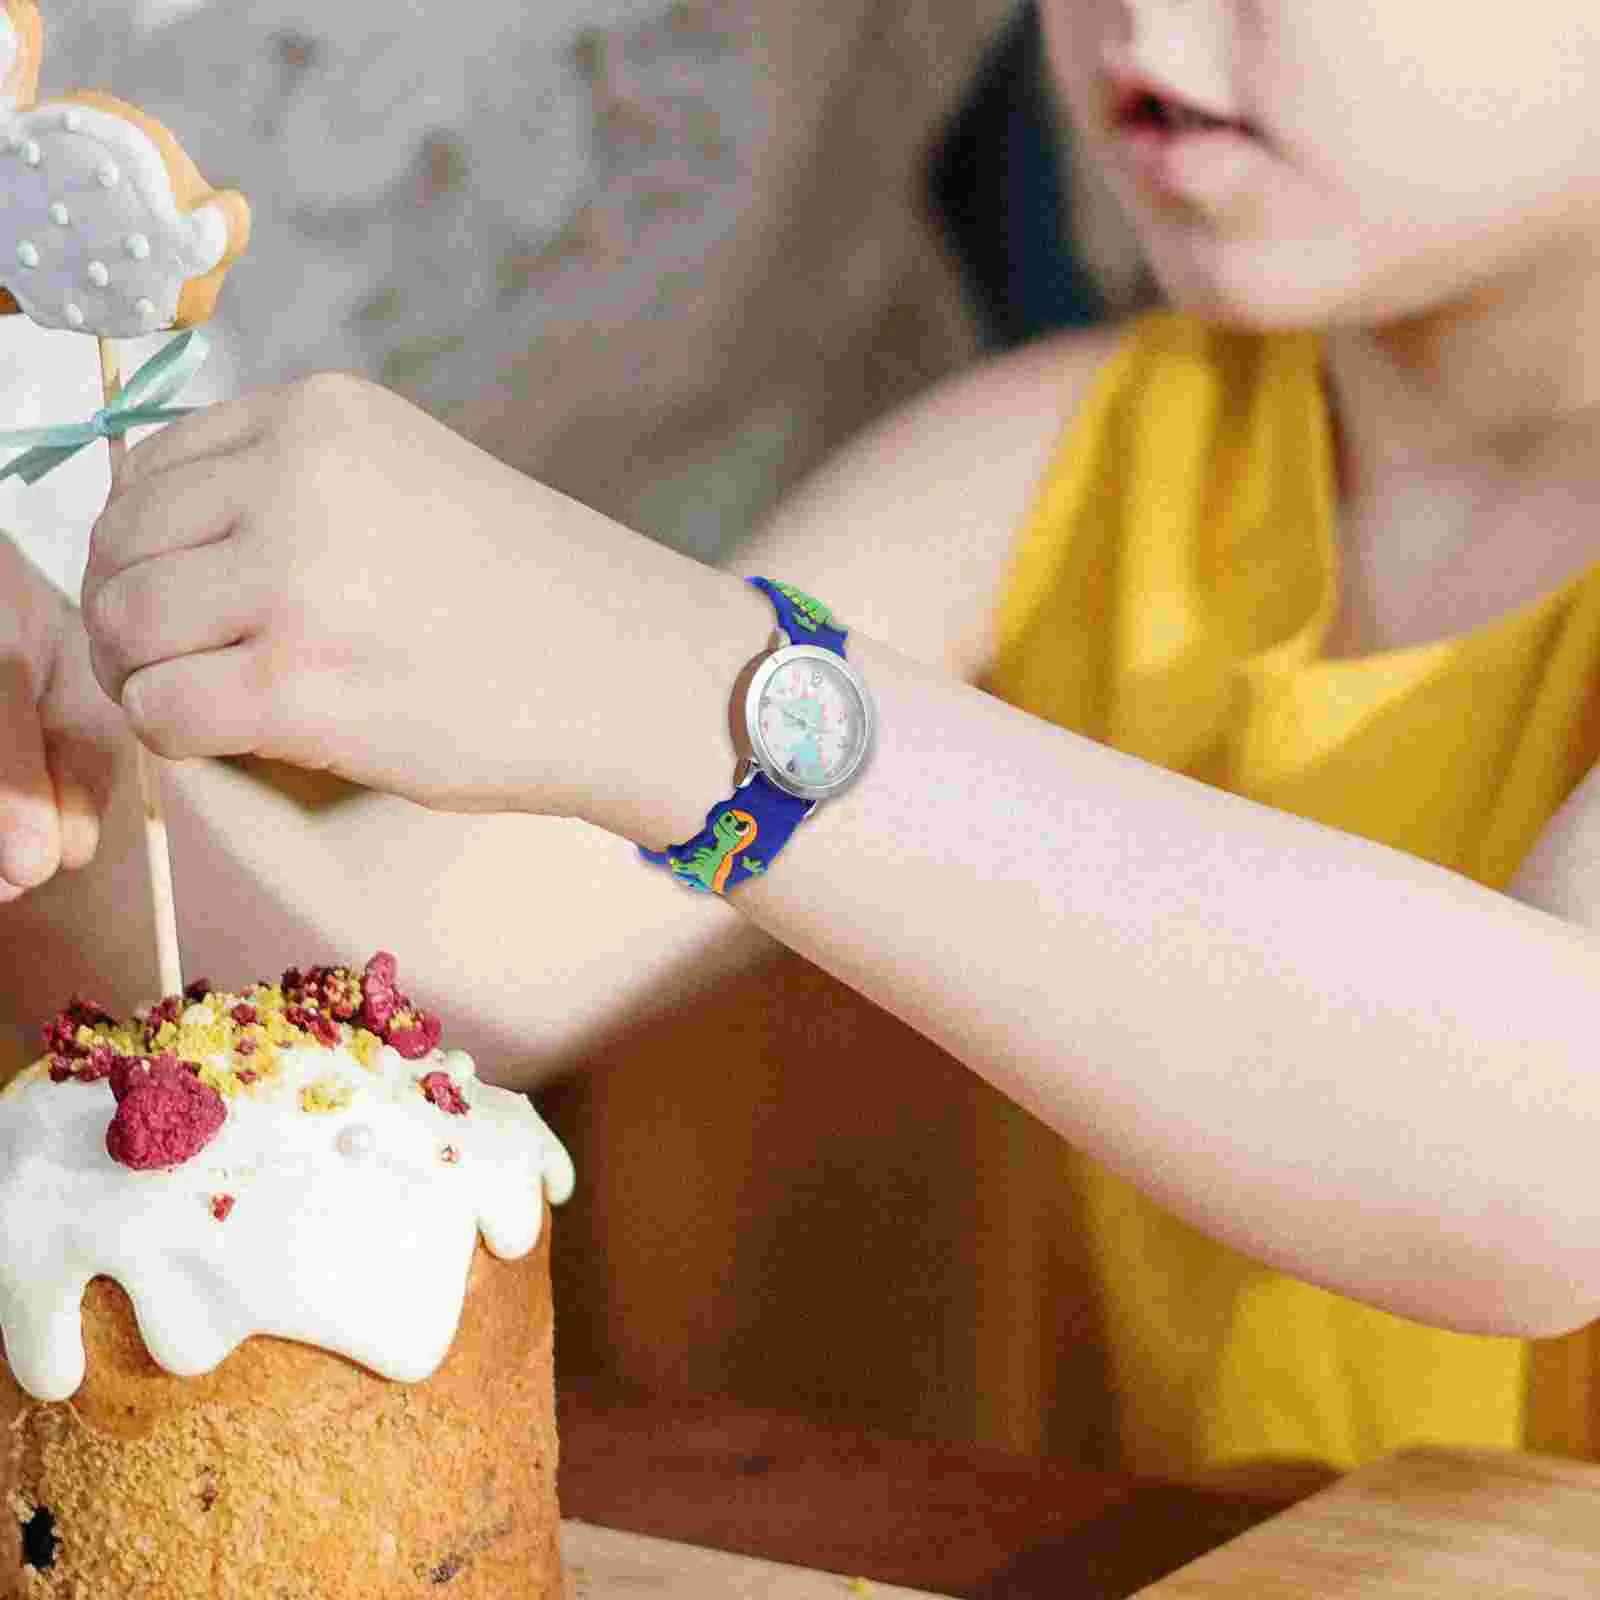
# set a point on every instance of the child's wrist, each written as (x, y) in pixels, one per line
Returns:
(663, 748)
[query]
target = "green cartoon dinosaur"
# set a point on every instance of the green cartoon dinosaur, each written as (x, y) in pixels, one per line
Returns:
(809, 613)
(709, 866)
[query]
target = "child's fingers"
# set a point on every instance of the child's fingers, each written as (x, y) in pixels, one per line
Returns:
(80, 821)
(82, 774)
(196, 504)
(217, 430)
(159, 610)
(30, 834)
(204, 705)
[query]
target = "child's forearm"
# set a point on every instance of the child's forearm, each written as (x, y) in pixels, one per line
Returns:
(535, 938)
(1354, 1065)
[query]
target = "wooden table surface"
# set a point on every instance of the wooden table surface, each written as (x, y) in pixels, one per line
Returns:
(868, 1514)
(948, 1519)
(602, 1564)
(1422, 1525)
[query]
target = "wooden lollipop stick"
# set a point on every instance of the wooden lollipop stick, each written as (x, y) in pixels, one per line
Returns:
(158, 854)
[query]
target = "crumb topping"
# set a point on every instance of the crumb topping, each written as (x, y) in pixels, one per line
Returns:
(326, 1094)
(364, 1046)
(183, 1059)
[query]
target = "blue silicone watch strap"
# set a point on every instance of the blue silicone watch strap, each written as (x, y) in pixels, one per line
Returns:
(741, 837)
(744, 833)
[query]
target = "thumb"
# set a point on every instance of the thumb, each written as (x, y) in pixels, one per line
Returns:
(81, 775)
(30, 832)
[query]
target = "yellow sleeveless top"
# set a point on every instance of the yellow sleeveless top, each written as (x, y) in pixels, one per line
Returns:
(1170, 591)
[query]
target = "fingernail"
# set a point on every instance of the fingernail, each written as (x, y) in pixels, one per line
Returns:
(27, 860)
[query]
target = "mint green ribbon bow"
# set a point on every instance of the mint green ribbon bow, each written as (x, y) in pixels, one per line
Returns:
(141, 403)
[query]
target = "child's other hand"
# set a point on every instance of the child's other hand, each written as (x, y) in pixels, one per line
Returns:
(57, 735)
(325, 575)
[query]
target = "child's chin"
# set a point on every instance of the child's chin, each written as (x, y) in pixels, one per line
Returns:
(1252, 298)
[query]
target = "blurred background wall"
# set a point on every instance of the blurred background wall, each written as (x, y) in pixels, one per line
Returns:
(666, 255)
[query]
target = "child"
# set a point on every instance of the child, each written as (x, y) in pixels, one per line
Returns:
(1289, 680)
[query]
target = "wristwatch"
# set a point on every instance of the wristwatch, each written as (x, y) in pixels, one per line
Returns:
(803, 729)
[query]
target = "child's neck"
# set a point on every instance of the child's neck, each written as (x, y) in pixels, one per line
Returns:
(1467, 457)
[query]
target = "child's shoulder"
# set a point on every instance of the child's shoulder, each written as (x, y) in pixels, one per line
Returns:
(907, 530)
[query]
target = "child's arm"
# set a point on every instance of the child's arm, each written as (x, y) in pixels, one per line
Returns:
(1349, 1063)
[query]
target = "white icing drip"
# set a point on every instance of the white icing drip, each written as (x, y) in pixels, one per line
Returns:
(366, 1257)
(111, 176)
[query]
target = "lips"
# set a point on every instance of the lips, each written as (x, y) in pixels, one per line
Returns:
(1139, 103)
(1178, 148)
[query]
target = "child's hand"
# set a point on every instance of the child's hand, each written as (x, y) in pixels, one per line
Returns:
(323, 574)
(57, 735)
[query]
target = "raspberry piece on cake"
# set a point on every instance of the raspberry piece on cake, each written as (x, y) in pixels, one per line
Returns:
(380, 997)
(441, 1090)
(323, 1029)
(385, 1011)
(165, 1114)
(412, 1034)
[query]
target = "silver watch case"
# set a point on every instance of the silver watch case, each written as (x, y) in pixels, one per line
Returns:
(756, 757)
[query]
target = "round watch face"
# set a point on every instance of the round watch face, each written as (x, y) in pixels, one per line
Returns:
(809, 721)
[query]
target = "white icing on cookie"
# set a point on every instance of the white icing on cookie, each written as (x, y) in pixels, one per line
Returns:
(106, 178)
(351, 1228)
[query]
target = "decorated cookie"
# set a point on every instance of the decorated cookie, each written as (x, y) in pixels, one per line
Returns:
(106, 225)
